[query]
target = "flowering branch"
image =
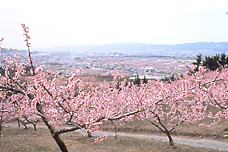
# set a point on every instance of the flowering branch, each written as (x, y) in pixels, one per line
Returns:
(28, 44)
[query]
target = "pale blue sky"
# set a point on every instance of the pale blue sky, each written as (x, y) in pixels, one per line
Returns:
(83, 22)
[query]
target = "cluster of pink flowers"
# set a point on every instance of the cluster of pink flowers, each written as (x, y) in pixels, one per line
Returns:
(99, 139)
(26, 31)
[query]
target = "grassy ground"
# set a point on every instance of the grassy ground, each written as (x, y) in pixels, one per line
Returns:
(189, 130)
(22, 140)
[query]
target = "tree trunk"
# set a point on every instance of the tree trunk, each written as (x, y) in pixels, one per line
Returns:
(89, 134)
(115, 131)
(34, 125)
(60, 143)
(55, 135)
(18, 122)
(171, 142)
(1, 127)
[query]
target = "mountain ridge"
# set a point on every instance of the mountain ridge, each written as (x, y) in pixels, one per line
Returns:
(143, 49)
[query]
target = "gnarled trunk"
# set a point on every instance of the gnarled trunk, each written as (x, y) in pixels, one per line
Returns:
(60, 143)
(171, 142)
(55, 135)
(164, 129)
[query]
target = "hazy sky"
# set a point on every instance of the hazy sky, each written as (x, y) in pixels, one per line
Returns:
(82, 22)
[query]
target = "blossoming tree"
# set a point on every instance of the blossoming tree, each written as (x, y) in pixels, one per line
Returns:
(40, 93)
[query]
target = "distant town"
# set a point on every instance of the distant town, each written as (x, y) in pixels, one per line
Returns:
(111, 65)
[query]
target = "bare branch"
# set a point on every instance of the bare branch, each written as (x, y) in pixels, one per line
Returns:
(69, 129)
(125, 115)
(153, 123)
